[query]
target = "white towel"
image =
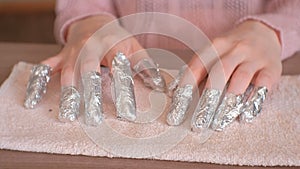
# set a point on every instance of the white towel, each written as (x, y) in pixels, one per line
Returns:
(272, 139)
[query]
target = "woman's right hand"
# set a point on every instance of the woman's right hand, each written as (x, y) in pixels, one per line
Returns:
(94, 46)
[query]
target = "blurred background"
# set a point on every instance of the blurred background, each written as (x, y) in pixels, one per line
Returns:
(27, 21)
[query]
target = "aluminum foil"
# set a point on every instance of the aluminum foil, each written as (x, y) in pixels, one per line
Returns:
(150, 73)
(123, 88)
(253, 105)
(229, 109)
(180, 104)
(69, 104)
(37, 85)
(173, 85)
(92, 93)
(205, 109)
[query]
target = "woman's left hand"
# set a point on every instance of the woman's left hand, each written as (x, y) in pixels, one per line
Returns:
(248, 54)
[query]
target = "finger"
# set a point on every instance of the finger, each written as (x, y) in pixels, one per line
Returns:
(242, 77)
(127, 47)
(69, 104)
(70, 97)
(92, 95)
(121, 71)
(203, 61)
(148, 71)
(140, 62)
(218, 77)
(123, 88)
(37, 85)
(210, 98)
(191, 78)
(54, 62)
(182, 97)
(231, 104)
(264, 81)
(92, 84)
(268, 78)
(39, 79)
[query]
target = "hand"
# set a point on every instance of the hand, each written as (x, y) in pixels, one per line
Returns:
(248, 54)
(101, 48)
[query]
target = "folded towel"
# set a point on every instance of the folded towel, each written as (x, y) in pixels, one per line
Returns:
(272, 139)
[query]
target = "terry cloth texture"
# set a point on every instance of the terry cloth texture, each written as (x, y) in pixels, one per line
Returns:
(272, 139)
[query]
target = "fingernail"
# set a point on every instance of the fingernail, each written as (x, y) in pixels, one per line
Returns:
(254, 104)
(92, 98)
(37, 85)
(173, 85)
(69, 104)
(206, 109)
(180, 104)
(229, 109)
(150, 73)
(123, 88)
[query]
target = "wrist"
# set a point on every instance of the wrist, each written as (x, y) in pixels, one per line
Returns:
(88, 25)
(261, 26)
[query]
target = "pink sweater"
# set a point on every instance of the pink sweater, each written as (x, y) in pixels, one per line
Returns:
(212, 17)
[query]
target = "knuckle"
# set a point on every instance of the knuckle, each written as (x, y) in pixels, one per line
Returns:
(68, 70)
(110, 40)
(243, 47)
(244, 72)
(226, 64)
(91, 61)
(267, 76)
(220, 41)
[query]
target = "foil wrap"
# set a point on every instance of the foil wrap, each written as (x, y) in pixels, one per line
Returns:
(69, 104)
(150, 73)
(227, 112)
(181, 101)
(92, 93)
(123, 88)
(37, 85)
(253, 105)
(173, 85)
(205, 109)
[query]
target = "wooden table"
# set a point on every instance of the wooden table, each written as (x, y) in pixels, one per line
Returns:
(12, 53)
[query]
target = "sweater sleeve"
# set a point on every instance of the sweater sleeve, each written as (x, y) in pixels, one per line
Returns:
(68, 11)
(284, 17)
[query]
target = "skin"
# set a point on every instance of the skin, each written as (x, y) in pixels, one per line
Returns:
(76, 37)
(249, 53)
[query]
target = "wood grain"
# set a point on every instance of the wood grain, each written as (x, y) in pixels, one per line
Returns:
(25, 7)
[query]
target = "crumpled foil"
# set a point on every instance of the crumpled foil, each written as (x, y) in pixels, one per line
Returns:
(229, 109)
(37, 85)
(69, 104)
(180, 104)
(205, 109)
(174, 83)
(150, 73)
(123, 88)
(253, 105)
(92, 93)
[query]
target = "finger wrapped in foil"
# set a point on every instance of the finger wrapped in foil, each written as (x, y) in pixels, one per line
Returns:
(150, 73)
(253, 105)
(229, 109)
(37, 85)
(205, 109)
(69, 104)
(92, 93)
(123, 88)
(180, 104)
(173, 85)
